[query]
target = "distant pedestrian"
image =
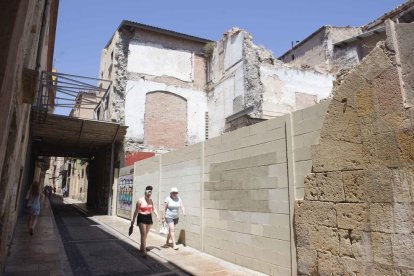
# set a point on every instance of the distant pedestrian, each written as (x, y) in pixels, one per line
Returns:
(33, 197)
(144, 209)
(172, 204)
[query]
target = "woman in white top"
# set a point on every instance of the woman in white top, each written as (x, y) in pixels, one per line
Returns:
(172, 204)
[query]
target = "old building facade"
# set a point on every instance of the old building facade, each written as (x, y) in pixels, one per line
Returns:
(173, 90)
(26, 49)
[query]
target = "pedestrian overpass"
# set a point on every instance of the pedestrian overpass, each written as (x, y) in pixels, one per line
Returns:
(71, 136)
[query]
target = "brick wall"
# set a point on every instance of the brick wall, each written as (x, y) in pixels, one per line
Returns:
(165, 120)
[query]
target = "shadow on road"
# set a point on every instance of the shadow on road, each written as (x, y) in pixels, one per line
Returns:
(93, 251)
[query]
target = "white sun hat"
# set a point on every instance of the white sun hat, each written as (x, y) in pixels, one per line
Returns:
(174, 190)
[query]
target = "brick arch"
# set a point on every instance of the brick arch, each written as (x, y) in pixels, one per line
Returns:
(165, 120)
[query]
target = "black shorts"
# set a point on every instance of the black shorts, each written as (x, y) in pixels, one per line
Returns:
(145, 219)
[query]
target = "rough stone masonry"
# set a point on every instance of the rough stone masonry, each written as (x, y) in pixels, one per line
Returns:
(357, 217)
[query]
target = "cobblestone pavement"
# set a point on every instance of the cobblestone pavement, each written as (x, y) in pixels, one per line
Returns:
(93, 250)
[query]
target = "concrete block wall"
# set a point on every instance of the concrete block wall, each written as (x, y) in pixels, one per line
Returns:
(306, 130)
(183, 169)
(239, 189)
(147, 172)
(246, 203)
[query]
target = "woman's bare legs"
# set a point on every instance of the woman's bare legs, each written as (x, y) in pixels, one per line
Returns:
(171, 233)
(144, 230)
(32, 223)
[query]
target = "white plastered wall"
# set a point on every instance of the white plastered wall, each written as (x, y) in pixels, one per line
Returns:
(155, 60)
(227, 82)
(281, 83)
(135, 108)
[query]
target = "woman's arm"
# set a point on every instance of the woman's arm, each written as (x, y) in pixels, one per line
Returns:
(182, 207)
(165, 208)
(154, 209)
(136, 212)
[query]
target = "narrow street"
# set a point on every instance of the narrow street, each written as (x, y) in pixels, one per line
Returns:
(93, 251)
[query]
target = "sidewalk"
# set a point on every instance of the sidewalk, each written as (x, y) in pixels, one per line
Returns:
(40, 254)
(186, 258)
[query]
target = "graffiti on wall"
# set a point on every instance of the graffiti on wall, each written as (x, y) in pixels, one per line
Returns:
(124, 199)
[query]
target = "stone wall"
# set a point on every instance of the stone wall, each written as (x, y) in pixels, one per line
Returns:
(357, 214)
(239, 189)
(26, 49)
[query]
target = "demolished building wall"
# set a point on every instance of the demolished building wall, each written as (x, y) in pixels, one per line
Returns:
(248, 85)
(357, 214)
(316, 50)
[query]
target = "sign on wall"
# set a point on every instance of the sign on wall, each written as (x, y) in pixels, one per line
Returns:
(124, 200)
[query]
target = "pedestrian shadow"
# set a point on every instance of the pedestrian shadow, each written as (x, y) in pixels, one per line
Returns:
(92, 250)
(181, 237)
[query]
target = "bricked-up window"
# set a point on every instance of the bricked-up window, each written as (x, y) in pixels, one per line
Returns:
(165, 121)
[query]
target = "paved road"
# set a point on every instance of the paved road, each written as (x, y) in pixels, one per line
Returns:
(93, 251)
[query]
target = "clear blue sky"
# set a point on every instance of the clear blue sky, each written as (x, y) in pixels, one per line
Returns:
(85, 26)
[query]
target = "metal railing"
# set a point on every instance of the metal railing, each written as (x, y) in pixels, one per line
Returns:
(69, 95)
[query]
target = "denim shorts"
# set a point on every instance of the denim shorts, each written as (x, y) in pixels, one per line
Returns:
(169, 220)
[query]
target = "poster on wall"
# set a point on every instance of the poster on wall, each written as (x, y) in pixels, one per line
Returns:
(124, 199)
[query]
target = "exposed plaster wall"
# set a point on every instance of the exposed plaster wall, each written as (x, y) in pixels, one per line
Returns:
(135, 111)
(176, 45)
(226, 83)
(317, 52)
(155, 60)
(288, 89)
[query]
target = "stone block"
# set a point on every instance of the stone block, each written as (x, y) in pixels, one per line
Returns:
(381, 248)
(381, 217)
(347, 86)
(330, 187)
(387, 151)
(374, 64)
(345, 243)
(354, 186)
(379, 185)
(332, 155)
(350, 266)
(389, 102)
(328, 264)
(315, 213)
(307, 261)
(324, 187)
(311, 188)
(324, 239)
(342, 123)
(405, 140)
(403, 218)
(352, 215)
(403, 249)
(403, 185)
